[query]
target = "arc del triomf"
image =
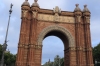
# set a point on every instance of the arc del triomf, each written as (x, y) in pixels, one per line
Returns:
(73, 28)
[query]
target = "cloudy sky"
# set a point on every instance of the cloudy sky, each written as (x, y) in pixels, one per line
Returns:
(52, 41)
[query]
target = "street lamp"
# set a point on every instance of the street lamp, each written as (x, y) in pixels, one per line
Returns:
(4, 46)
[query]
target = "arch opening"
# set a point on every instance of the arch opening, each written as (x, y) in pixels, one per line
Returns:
(60, 35)
(52, 46)
(63, 34)
(64, 44)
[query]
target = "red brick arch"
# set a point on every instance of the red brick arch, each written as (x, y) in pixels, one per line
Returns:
(56, 28)
(73, 28)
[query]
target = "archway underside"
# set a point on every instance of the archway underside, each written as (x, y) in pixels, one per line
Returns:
(59, 35)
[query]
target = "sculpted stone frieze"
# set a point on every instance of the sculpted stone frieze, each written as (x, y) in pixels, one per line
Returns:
(53, 18)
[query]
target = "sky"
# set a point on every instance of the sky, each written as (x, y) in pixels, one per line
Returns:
(51, 41)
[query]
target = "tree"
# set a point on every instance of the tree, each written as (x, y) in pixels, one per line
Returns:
(62, 61)
(96, 55)
(96, 52)
(57, 62)
(9, 58)
(0, 51)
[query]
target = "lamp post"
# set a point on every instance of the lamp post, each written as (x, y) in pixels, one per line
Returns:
(4, 46)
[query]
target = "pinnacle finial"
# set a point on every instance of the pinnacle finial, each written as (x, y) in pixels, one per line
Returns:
(85, 6)
(85, 9)
(77, 5)
(35, 0)
(26, 3)
(77, 8)
(35, 4)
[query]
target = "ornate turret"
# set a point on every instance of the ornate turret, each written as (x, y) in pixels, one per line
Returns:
(35, 8)
(35, 4)
(78, 13)
(26, 3)
(77, 8)
(25, 8)
(85, 9)
(86, 14)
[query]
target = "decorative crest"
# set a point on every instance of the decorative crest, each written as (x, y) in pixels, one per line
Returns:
(57, 10)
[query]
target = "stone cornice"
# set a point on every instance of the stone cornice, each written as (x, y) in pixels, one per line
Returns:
(63, 13)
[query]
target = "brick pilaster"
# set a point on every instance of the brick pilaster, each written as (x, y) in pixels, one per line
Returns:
(88, 46)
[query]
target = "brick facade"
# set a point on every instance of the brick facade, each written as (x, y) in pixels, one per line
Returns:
(72, 27)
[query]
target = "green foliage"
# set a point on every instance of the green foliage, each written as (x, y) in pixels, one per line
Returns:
(57, 61)
(9, 58)
(96, 53)
(0, 51)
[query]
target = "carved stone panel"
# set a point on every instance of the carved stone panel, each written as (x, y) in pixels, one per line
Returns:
(24, 13)
(34, 14)
(88, 19)
(79, 18)
(53, 18)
